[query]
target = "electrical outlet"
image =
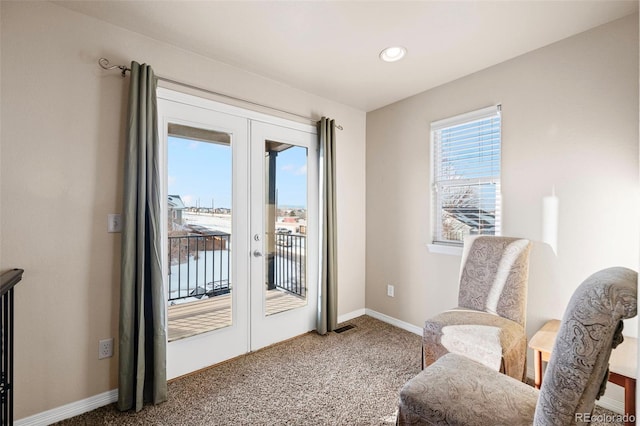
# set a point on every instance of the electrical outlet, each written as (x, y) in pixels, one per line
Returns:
(390, 290)
(114, 223)
(105, 348)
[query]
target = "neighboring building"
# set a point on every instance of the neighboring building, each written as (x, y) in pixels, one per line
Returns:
(460, 221)
(176, 206)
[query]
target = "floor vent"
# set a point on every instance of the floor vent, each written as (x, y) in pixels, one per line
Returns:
(344, 328)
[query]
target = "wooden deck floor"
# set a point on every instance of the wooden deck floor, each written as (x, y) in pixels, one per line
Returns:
(189, 319)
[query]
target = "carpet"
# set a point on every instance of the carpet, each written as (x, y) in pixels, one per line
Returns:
(348, 378)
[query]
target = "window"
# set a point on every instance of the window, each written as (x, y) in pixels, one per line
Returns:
(466, 175)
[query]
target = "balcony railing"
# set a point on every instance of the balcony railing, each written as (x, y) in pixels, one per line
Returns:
(199, 265)
(289, 265)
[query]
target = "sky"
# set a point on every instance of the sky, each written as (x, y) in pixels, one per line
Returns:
(200, 172)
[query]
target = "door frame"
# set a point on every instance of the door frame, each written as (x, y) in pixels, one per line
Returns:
(179, 349)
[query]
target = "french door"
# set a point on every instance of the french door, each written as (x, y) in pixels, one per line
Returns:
(284, 223)
(241, 229)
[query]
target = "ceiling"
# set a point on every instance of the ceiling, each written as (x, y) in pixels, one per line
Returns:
(330, 48)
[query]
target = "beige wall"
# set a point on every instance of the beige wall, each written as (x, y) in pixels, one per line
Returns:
(570, 120)
(62, 155)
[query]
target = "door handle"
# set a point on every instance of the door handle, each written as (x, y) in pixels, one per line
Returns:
(257, 253)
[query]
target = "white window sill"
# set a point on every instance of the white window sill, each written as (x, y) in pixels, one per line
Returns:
(445, 249)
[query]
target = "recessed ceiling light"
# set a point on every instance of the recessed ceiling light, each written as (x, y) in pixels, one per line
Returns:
(392, 54)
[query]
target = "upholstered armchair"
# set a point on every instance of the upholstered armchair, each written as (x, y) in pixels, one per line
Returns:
(458, 391)
(488, 325)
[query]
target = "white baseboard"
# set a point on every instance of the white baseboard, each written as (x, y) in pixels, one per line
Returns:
(531, 373)
(351, 315)
(611, 404)
(393, 321)
(69, 410)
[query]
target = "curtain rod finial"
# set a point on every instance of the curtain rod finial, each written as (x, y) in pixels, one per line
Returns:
(104, 64)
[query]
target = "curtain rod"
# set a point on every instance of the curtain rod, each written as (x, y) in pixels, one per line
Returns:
(104, 64)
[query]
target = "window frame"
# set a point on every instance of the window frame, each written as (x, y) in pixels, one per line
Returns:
(438, 242)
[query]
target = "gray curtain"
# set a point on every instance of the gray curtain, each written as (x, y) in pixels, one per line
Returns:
(142, 369)
(328, 288)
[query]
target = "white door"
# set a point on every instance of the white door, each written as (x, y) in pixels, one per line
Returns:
(284, 223)
(206, 218)
(233, 284)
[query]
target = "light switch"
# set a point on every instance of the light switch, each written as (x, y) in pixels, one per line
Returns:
(114, 222)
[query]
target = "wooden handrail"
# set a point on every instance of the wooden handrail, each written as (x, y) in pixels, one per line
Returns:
(9, 279)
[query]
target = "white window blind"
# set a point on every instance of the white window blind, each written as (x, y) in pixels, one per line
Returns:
(466, 175)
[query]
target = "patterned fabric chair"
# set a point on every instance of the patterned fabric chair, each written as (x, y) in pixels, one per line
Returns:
(488, 325)
(458, 391)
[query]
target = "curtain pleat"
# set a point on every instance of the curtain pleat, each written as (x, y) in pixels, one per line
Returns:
(328, 286)
(142, 348)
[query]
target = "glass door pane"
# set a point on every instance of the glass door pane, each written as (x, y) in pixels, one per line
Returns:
(285, 226)
(199, 231)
